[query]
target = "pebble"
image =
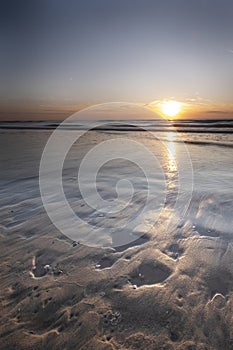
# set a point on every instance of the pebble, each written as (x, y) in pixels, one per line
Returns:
(135, 286)
(97, 266)
(115, 318)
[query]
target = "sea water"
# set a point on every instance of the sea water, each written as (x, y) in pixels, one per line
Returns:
(204, 184)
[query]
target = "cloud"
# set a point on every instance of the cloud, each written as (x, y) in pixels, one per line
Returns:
(219, 112)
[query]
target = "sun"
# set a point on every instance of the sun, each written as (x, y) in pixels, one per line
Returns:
(171, 108)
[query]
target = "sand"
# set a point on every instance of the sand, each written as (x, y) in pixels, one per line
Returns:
(142, 297)
(163, 291)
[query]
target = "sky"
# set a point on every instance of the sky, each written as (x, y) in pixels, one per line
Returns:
(58, 56)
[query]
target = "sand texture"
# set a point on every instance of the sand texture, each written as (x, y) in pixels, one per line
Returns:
(171, 291)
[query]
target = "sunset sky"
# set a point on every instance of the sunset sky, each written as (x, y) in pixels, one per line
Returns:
(58, 56)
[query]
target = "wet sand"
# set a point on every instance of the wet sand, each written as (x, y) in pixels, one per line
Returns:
(57, 294)
(162, 291)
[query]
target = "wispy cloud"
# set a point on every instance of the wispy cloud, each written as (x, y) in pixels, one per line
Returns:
(219, 112)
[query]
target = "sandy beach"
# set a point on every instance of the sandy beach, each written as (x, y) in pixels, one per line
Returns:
(162, 291)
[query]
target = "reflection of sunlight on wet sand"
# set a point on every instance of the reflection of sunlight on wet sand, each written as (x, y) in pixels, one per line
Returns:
(171, 154)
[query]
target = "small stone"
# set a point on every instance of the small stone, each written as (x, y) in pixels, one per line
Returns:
(135, 286)
(97, 266)
(102, 294)
(115, 318)
(47, 267)
(57, 271)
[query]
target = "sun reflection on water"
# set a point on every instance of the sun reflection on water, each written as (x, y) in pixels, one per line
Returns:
(171, 154)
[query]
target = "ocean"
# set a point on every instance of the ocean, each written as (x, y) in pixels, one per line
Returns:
(208, 144)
